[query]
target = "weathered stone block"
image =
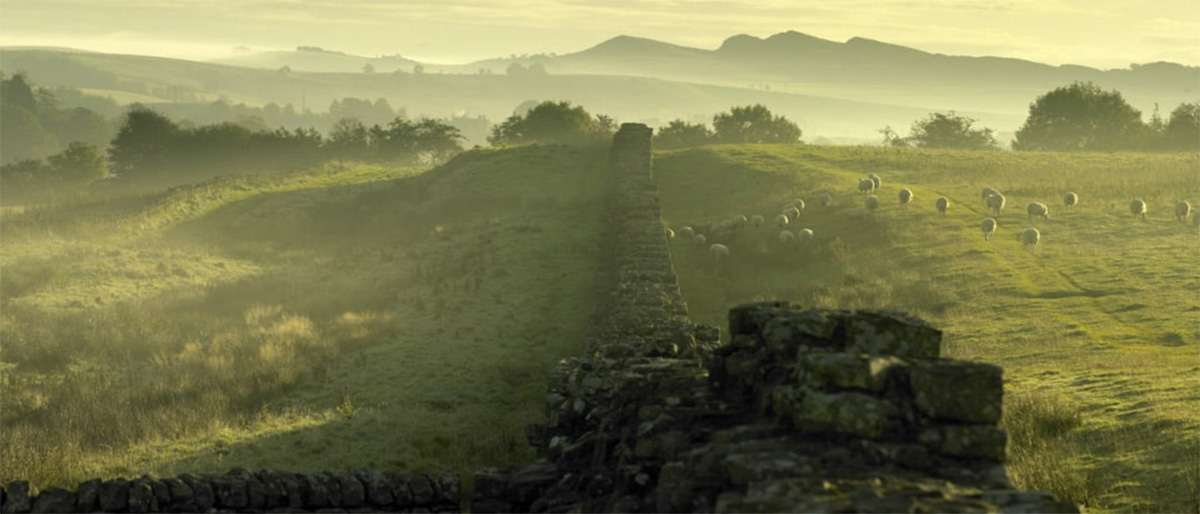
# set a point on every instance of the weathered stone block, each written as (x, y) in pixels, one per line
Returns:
(748, 319)
(297, 490)
(87, 495)
(275, 493)
(421, 488)
(970, 392)
(202, 492)
(230, 493)
(840, 413)
(162, 494)
(979, 441)
(256, 492)
(377, 487)
(821, 370)
(891, 333)
(114, 495)
(787, 331)
(54, 499)
(744, 468)
(141, 496)
(449, 488)
(401, 491)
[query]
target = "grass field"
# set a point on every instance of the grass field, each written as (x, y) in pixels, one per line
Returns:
(1098, 329)
(336, 318)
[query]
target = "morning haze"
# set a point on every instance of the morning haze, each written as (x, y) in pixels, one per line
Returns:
(328, 236)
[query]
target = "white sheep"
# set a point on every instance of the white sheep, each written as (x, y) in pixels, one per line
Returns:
(699, 240)
(804, 235)
(987, 191)
(1182, 209)
(792, 213)
(687, 232)
(781, 220)
(719, 253)
(1138, 208)
(872, 202)
(1038, 209)
(942, 204)
(866, 185)
(670, 233)
(906, 196)
(995, 202)
(1030, 238)
(876, 181)
(989, 228)
(826, 200)
(786, 238)
(739, 222)
(1070, 199)
(798, 204)
(756, 221)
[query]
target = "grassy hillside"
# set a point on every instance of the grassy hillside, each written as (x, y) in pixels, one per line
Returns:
(1098, 329)
(335, 318)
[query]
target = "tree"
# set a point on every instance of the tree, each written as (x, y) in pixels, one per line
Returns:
(754, 124)
(950, 130)
(1182, 131)
(1081, 117)
(79, 165)
(144, 143)
(550, 122)
(424, 141)
(681, 134)
(349, 138)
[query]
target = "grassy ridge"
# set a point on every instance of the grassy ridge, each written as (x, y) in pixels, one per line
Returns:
(330, 319)
(1097, 329)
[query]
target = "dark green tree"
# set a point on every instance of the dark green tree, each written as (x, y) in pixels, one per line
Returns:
(77, 166)
(348, 139)
(1081, 117)
(950, 130)
(1182, 131)
(754, 124)
(550, 122)
(144, 144)
(424, 141)
(681, 134)
(22, 135)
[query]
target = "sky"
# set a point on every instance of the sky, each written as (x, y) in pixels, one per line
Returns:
(1099, 33)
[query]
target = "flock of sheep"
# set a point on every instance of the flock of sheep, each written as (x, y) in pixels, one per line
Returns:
(790, 215)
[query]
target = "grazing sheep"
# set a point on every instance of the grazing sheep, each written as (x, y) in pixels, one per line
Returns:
(804, 235)
(699, 240)
(826, 200)
(876, 181)
(1038, 209)
(906, 196)
(687, 232)
(786, 238)
(792, 213)
(1070, 199)
(872, 203)
(782, 220)
(989, 228)
(798, 204)
(670, 233)
(995, 202)
(756, 221)
(1030, 238)
(724, 226)
(1182, 209)
(866, 185)
(1138, 208)
(739, 222)
(942, 203)
(987, 191)
(719, 253)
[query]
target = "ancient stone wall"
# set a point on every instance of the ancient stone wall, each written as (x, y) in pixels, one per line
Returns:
(804, 410)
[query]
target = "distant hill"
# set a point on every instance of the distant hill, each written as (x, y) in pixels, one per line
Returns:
(318, 60)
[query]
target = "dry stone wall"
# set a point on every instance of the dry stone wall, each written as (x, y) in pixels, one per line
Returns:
(804, 410)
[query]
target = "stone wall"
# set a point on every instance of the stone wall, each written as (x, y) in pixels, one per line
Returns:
(804, 410)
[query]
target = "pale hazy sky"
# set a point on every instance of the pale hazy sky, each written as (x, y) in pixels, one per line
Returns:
(1098, 33)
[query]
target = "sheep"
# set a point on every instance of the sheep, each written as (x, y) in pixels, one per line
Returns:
(670, 233)
(875, 180)
(739, 222)
(699, 240)
(798, 205)
(786, 238)
(1070, 199)
(906, 196)
(995, 202)
(1030, 238)
(989, 228)
(1038, 209)
(942, 204)
(1138, 208)
(987, 191)
(804, 235)
(872, 202)
(756, 221)
(826, 200)
(866, 185)
(782, 220)
(1182, 209)
(792, 213)
(687, 232)
(719, 253)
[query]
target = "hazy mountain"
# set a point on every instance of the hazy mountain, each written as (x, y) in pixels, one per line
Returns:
(318, 60)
